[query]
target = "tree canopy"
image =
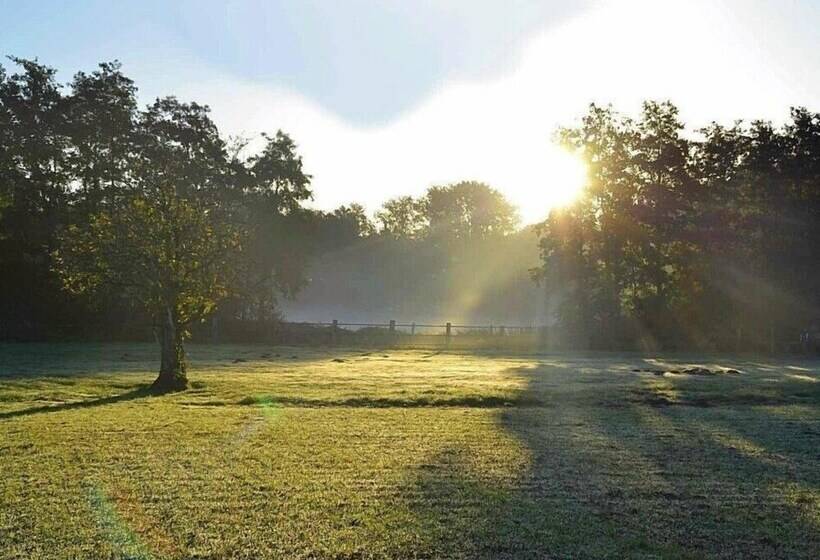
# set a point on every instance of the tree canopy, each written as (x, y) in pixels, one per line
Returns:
(149, 216)
(683, 240)
(147, 207)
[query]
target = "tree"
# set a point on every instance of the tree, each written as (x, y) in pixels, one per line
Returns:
(684, 240)
(81, 159)
(169, 240)
(469, 210)
(277, 176)
(175, 255)
(100, 122)
(34, 181)
(272, 184)
(403, 217)
(354, 217)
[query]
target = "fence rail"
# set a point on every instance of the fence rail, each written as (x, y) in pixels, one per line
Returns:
(412, 332)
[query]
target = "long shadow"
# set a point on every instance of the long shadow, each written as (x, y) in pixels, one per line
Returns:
(138, 393)
(20, 362)
(612, 475)
(561, 507)
(748, 483)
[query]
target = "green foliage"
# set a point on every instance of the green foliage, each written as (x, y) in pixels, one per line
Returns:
(276, 174)
(403, 217)
(469, 210)
(34, 184)
(161, 250)
(82, 163)
(674, 234)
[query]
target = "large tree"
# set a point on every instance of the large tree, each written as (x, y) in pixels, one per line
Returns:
(34, 182)
(174, 255)
(169, 239)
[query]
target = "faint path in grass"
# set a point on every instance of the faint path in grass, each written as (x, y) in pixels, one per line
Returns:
(269, 411)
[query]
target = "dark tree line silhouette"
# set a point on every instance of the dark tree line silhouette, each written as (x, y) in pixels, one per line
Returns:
(149, 210)
(707, 240)
(115, 219)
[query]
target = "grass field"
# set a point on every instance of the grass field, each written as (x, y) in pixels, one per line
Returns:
(298, 453)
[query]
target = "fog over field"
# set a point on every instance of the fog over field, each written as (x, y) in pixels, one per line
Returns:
(374, 282)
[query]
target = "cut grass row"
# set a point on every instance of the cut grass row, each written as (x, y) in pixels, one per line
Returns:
(402, 454)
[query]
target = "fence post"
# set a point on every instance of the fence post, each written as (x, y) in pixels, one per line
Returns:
(334, 331)
(491, 329)
(501, 330)
(413, 328)
(447, 334)
(392, 326)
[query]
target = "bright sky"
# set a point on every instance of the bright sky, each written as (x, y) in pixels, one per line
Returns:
(386, 97)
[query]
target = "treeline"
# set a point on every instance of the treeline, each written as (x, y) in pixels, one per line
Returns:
(455, 253)
(425, 280)
(118, 221)
(107, 210)
(77, 160)
(706, 240)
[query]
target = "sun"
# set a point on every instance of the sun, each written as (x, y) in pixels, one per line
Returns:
(555, 177)
(568, 177)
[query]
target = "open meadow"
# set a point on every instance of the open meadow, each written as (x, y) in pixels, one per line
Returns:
(360, 453)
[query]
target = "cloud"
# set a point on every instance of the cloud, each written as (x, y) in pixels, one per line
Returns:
(702, 55)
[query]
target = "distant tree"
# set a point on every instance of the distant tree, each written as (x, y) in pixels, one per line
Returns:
(469, 210)
(272, 186)
(356, 216)
(340, 228)
(403, 217)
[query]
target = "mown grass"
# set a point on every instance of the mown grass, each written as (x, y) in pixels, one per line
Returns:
(297, 453)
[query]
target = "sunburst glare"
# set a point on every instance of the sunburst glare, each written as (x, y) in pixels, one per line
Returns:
(557, 181)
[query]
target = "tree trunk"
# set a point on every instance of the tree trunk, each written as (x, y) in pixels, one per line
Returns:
(172, 376)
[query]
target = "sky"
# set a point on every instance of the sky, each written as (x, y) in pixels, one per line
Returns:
(388, 97)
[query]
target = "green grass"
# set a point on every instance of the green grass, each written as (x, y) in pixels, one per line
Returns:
(402, 454)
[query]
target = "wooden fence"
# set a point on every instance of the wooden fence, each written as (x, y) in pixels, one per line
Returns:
(417, 334)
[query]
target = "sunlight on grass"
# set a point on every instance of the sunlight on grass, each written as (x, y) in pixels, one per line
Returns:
(347, 453)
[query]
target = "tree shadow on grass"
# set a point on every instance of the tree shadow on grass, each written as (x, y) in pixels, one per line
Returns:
(730, 493)
(564, 505)
(24, 362)
(612, 476)
(138, 393)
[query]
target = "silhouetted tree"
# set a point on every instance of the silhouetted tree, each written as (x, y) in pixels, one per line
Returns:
(35, 182)
(681, 240)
